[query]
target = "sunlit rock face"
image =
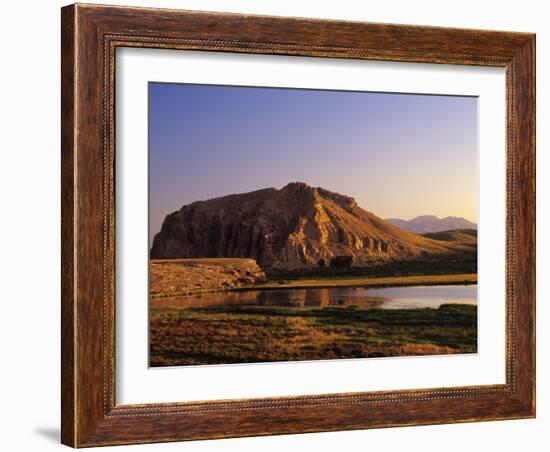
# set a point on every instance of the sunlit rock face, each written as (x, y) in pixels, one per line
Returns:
(296, 227)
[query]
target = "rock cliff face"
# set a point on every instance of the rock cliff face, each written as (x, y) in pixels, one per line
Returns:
(294, 227)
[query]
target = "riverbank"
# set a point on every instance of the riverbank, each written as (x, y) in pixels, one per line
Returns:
(241, 334)
(363, 281)
(182, 277)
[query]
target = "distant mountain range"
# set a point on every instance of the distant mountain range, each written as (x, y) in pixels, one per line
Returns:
(430, 223)
(295, 227)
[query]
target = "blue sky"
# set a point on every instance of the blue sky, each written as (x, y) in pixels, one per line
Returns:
(399, 155)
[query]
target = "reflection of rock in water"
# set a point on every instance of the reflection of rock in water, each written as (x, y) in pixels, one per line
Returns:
(394, 298)
(372, 303)
(264, 298)
(298, 298)
(290, 298)
(337, 302)
(324, 298)
(310, 298)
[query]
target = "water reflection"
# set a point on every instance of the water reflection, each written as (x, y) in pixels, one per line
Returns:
(366, 298)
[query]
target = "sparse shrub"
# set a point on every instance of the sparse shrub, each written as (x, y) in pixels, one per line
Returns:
(341, 261)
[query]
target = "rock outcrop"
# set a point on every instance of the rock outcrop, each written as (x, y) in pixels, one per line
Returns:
(298, 226)
(175, 277)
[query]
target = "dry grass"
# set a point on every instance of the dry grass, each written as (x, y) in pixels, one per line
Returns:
(177, 277)
(239, 334)
(368, 281)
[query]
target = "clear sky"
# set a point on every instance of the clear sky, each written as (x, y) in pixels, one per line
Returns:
(398, 155)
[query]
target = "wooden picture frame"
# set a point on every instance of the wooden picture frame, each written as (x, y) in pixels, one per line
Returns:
(90, 36)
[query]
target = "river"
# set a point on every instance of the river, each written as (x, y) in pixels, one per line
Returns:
(411, 297)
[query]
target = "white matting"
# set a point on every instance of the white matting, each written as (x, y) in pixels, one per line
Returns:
(136, 383)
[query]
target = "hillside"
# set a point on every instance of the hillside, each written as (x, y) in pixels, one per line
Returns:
(295, 227)
(430, 223)
(467, 236)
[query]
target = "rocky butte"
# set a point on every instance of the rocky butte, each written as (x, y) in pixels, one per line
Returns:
(297, 226)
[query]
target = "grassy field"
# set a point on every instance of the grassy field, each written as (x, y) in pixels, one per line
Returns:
(365, 281)
(240, 334)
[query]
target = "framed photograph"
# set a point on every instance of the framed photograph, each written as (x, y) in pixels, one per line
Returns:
(281, 225)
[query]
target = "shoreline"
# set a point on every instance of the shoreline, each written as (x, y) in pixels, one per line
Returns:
(465, 279)
(362, 281)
